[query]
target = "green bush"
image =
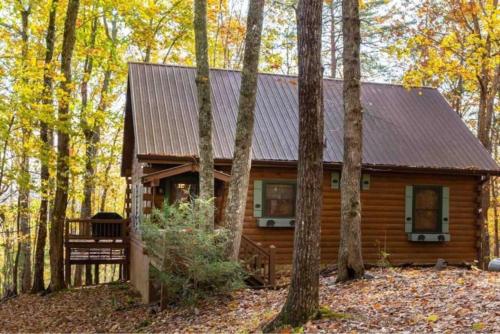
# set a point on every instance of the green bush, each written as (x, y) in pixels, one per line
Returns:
(189, 256)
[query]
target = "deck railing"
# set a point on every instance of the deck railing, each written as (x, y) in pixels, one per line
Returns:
(259, 262)
(96, 229)
(97, 241)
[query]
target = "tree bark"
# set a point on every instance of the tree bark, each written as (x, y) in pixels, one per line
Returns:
(61, 197)
(302, 301)
(240, 169)
(46, 138)
(488, 88)
(205, 120)
(350, 260)
(333, 42)
(88, 179)
(24, 180)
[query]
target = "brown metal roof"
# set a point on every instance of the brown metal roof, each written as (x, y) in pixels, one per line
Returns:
(407, 128)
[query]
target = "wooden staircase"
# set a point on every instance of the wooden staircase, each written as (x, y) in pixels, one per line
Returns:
(259, 262)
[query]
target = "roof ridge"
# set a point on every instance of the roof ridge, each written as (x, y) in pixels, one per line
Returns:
(280, 75)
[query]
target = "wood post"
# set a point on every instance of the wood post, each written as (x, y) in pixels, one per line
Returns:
(163, 297)
(96, 274)
(67, 265)
(272, 266)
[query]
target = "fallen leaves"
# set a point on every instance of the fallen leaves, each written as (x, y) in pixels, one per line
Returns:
(454, 300)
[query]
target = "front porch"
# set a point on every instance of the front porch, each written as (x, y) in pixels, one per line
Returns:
(176, 184)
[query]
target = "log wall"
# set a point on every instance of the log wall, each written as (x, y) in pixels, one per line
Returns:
(383, 214)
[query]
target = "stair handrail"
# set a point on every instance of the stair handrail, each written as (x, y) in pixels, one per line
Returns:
(264, 259)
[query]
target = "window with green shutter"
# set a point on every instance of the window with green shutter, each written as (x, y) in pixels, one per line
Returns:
(274, 203)
(427, 213)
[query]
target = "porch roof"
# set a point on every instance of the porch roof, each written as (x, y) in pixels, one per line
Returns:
(177, 170)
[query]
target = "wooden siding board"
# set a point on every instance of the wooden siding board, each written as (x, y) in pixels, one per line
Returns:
(383, 227)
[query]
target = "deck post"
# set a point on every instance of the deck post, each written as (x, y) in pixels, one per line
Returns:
(96, 274)
(67, 268)
(67, 263)
(272, 266)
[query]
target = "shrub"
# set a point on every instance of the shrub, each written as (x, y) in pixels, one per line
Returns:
(189, 256)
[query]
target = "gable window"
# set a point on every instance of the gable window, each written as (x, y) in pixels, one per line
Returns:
(427, 213)
(274, 202)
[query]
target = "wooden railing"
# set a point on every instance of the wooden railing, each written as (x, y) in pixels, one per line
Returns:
(96, 229)
(97, 241)
(260, 263)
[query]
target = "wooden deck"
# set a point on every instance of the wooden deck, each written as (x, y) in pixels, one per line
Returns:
(97, 241)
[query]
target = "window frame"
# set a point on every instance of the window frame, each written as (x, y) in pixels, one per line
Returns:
(439, 218)
(265, 183)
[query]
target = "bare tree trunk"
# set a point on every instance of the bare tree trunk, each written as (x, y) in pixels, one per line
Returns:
(302, 301)
(350, 260)
(488, 88)
(24, 233)
(46, 138)
(88, 184)
(488, 91)
(24, 180)
(240, 169)
(494, 184)
(333, 42)
(61, 197)
(205, 120)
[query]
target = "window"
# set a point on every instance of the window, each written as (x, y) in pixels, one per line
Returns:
(274, 203)
(183, 191)
(427, 213)
(426, 209)
(279, 200)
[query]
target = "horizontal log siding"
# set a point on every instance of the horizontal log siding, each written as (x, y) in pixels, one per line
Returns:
(383, 210)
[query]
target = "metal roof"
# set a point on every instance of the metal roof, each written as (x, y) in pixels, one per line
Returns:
(401, 127)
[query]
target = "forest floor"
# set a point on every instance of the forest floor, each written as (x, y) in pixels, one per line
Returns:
(453, 300)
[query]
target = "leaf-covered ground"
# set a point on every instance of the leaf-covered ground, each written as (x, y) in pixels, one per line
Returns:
(395, 300)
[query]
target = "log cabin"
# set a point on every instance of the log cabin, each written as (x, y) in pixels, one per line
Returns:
(422, 167)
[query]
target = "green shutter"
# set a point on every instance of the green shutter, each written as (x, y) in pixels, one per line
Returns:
(445, 210)
(335, 180)
(409, 209)
(365, 182)
(257, 198)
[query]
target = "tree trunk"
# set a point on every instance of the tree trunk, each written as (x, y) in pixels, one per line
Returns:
(350, 260)
(488, 88)
(24, 181)
(303, 295)
(333, 42)
(240, 169)
(24, 234)
(88, 179)
(494, 186)
(46, 138)
(61, 197)
(488, 91)
(205, 120)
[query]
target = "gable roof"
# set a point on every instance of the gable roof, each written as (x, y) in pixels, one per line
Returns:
(402, 128)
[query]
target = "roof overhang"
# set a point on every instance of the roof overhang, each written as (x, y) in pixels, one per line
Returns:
(328, 165)
(155, 177)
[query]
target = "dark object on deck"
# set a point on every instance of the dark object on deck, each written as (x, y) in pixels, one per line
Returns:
(100, 229)
(494, 265)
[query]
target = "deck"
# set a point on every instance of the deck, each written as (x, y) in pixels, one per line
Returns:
(97, 241)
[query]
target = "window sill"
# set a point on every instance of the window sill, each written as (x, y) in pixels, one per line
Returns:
(276, 222)
(429, 237)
